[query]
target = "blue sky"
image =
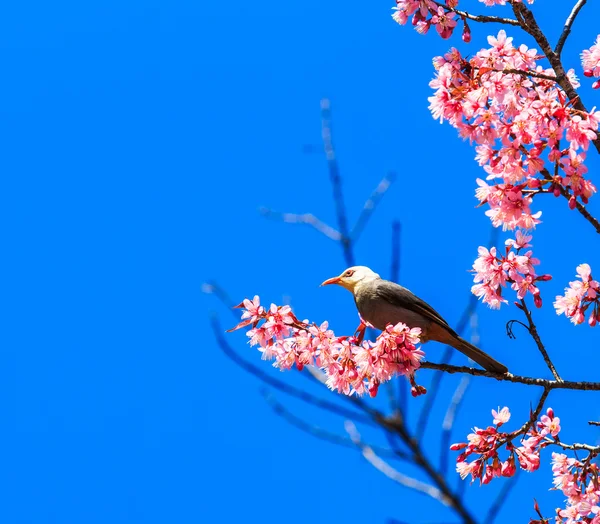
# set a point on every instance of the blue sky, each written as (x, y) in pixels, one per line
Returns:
(139, 140)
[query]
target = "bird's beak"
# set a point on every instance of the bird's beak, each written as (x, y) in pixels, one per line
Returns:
(334, 280)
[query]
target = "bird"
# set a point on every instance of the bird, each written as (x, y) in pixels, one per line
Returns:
(381, 302)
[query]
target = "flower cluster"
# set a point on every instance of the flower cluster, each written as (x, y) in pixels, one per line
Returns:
(351, 365)
(579, 297)
(520, 120)
(579, 482)
(427, 13)
(493, 272)
(590, 59)
(485, 444)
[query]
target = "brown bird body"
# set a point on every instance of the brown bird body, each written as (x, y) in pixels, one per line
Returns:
(381, 302)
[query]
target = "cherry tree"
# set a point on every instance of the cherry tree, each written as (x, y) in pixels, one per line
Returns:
(531, 133)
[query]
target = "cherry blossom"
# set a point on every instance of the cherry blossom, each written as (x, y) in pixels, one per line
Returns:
(590, 59)
(579, 297)
(352, 366)
(522, 125)
(484, 444)
(493, 272)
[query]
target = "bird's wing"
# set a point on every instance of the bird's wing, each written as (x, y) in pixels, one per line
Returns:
(401, 297)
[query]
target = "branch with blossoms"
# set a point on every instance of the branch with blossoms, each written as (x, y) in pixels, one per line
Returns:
(531, 132)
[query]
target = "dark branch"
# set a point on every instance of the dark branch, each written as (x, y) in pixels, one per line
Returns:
(306, 218)
(448, 423)
(509, 377)
(322, 434)
(480, 18)
(535, 335)
(371, 205)
(283, 386)
(336, 182)
(567, 29)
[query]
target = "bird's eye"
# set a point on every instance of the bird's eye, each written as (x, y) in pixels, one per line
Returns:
(349, 273)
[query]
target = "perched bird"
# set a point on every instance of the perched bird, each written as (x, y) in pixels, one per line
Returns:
(381, 302)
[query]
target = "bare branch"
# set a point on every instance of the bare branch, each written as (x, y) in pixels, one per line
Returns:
(213, 288)
(320, 433)
(448, 422)
(593, 423)
(306, 218)
(509, 377)
(395, 265)
(535, 335)
(336, 182)
(534, 415)
(371, 205)
(392, 473)
(567, 29)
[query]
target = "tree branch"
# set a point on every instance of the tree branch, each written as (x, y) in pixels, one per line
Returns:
(509, 377)
(336, 182)
(392, 473)
(283, 386)
(479, 18)
(371, 205)
(567, 29)
(306, 218)
(529, 24)
(535, 335)
(320, 433)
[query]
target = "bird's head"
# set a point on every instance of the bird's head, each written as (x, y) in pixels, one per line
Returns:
(352, 277)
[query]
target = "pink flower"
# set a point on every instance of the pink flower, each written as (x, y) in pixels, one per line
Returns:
(549, 424)
(580, 297)
(351, 368)
(590, 59)
(502, 416)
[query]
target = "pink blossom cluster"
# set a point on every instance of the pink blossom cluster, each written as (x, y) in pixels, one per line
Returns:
(501, 2)
(580, 296)
(528, 137)
(485, 443)
(427, 13)
(351, 365)
(590, 59)
(579, 482)
(493, 272)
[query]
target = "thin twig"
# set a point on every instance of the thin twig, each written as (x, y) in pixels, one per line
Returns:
(535, 335)
(320, 433)
(509, 377)
(434, 386)
(371, 205)
(534, 415)
(392, 473)
(336, 182)
(306, 218)
(578, 205)
(213, 288)
(567, 29)
(480, 18)
(471, 307)
(448, 422)
(593, 423)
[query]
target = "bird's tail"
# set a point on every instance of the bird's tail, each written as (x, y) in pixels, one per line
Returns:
(474, 353)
